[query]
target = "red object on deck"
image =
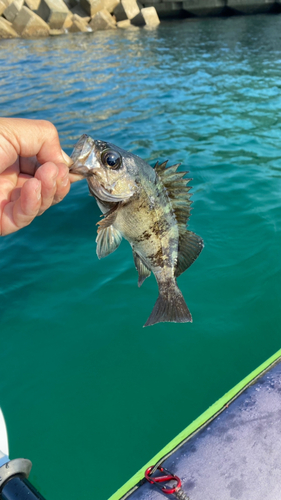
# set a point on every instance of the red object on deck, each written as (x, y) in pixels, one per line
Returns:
(168, 476)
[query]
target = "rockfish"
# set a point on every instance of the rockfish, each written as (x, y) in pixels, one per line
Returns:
(150, 209)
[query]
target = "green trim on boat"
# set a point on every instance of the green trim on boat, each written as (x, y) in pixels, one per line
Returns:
(208, 415)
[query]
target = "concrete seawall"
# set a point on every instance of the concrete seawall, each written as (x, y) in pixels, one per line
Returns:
(207, 8)
(41, 18)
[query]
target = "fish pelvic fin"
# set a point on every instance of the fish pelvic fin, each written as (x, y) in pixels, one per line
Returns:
(170, 307)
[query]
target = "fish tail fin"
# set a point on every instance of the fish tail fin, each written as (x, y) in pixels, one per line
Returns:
(170, 307)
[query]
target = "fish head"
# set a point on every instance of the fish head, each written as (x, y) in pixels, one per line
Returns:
(112, 173)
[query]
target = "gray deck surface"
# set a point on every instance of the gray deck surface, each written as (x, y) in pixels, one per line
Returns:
(238, 456)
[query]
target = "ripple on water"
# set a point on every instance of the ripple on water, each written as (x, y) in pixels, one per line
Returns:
(203, 92)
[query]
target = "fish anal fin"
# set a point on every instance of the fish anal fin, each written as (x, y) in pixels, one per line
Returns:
(142, 269)
(108, 239)
(170, 307)
(190, 246)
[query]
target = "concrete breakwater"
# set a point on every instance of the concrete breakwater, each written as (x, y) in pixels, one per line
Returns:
(39, 18)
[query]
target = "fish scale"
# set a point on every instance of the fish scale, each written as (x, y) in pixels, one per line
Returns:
(161, 235)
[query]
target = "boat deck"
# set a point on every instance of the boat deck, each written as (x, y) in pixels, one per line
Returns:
(237, 455)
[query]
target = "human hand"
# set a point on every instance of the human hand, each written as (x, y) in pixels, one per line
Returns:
(34, 171)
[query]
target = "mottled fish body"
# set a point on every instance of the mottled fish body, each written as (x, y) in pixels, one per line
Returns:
(149, 208)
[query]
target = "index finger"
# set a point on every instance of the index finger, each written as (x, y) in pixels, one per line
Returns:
(27, 138)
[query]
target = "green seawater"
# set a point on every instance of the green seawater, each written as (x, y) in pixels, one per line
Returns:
(89, 395)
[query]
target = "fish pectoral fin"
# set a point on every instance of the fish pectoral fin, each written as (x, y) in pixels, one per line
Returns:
(190, 246)
(142, 269)
(108, 239)
(109, 218)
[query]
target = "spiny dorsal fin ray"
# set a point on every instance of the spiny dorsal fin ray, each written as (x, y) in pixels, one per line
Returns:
(159, 167)
(177, 190)
(108, 239)
(181, 219)
(175, 194)
(172, 171)
(177, 186)
(173, 167)
(181, 204)
(174, 182)
(190, 246)
(142, 269)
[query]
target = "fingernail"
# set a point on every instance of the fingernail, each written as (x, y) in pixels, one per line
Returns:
(68, 161)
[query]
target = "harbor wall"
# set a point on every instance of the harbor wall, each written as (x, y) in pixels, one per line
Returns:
(39, 18)
(206, 8)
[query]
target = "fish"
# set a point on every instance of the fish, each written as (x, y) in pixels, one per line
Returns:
(148, 207)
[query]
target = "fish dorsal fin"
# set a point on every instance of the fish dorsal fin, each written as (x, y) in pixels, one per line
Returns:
(142, 269)
(108, 239)
(190, 246)
(177, 190)
(159, 167)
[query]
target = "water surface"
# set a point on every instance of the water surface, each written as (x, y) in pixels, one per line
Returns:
(88, 394)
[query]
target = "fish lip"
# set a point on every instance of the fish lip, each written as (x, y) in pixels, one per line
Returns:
(80, 145)
(83, 149)
(86, 148)
(79, 169)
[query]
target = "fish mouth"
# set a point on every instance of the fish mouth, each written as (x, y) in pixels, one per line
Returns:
(79, 169)
(82, 147)
(83, 150)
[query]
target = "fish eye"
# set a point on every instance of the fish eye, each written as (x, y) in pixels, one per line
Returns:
(111, 159)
